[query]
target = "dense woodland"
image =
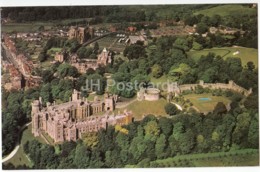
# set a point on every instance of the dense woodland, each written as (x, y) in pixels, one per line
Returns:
(152, 138)
(109, 13)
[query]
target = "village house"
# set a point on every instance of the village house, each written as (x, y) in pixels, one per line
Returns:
(134, 39)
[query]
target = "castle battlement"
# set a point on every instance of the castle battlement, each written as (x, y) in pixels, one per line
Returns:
(231, 85)
(68, 121)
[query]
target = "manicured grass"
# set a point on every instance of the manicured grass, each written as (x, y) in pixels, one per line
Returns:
(244, 157)
(20, 157)
(207, 105)
(226, 10)
(196, 55)
(140, 108)
(245, 54)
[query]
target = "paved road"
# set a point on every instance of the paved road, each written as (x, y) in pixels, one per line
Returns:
(124, 104)
(178, 106)
(17, 146)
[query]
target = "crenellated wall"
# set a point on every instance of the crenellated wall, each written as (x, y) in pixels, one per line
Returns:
(231, 85)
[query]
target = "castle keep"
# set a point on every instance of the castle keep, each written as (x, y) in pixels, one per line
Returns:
(68, 121)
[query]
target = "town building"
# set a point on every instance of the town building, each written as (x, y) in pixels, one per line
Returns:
(69, 121)
(82, 34)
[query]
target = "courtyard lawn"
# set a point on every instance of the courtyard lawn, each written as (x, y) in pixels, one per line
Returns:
(20, 157)
(206, 105)
(226, 10)
(245, 54)
(140, 108)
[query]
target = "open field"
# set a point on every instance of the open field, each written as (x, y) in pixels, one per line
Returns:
(34, 26)
(140, 108)
(206, 105)
(245, 54)
(244, 157)
(20, 157)
(25, 27)
(225, 10)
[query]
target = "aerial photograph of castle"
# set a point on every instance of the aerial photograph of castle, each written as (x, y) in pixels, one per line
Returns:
(129, 86)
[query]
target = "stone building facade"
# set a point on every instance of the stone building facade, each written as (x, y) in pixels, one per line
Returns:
(149, 94)
(68, 121)
(104, 58)
(82, 34)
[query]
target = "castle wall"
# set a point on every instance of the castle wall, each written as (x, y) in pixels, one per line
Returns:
(230, 86)
(68, 121)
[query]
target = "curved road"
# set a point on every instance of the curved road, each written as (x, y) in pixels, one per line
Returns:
(178, 106)
(17, 144)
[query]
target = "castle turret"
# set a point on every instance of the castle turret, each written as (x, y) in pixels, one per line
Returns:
(109, 104)
(35, 117)
(76, 95)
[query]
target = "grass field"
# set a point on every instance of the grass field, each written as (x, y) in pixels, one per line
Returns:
(34, 26)
(25, 27)
(20, 157)
(225, 10)
(140, 108)
(245, 54)
(207, 105)
(244, 157)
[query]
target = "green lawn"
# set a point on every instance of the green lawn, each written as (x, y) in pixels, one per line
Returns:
(245, 54)
(244, 157)
(207, 105)
(140, 108)
(20, 157)
(226, 10)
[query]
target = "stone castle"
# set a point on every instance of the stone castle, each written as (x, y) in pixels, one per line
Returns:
(68, 121)
(104, 58)
(149, 94)
(82, 34)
